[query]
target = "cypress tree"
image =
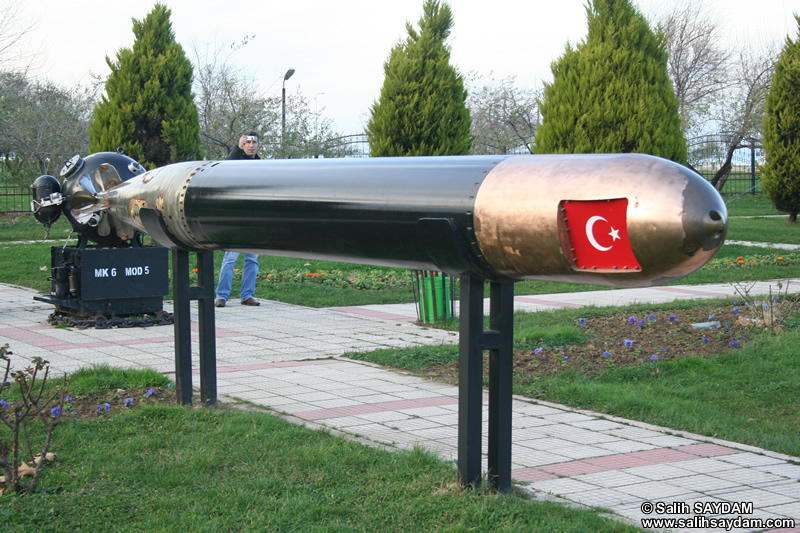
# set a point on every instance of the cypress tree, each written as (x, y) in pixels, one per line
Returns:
(781, 132)
(422, 106)
(148, 108)
(612, 93)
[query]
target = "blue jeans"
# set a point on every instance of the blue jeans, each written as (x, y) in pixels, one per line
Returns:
(248, 276)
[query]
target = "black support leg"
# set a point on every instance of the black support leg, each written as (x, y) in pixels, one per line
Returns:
(473, 340)
(183, 326)
(205, 312)
(501, 370)
(183, 294)
(470, 380)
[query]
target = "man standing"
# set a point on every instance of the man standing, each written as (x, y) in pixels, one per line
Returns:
(247, 149)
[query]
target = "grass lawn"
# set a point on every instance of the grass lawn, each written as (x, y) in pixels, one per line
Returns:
(155, 467)
(764, 229)
(749, 205)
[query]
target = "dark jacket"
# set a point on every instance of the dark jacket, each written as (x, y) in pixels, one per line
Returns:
(238, 153)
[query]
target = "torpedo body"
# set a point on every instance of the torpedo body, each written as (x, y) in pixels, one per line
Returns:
(614, 219)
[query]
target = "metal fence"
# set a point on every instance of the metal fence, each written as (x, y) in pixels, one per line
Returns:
(14, 200)
(358, 143)
(707, 155)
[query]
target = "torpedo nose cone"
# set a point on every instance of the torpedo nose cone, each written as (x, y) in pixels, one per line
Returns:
(716, 224)
(705, 219)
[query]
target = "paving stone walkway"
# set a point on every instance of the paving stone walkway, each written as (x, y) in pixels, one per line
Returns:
(287, 358)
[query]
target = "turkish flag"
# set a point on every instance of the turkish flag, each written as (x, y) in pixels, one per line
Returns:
(597, 233)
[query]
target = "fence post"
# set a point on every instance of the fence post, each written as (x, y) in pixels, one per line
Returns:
(752, 167)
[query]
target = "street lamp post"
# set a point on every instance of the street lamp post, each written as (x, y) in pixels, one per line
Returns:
(316, 124)
(283, 111)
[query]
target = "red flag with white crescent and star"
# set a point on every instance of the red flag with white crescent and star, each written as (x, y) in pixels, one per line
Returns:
(597, 231)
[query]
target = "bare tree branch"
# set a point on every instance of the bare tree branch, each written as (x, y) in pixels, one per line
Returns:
(504, 116)
(697, 65)
(16, 22)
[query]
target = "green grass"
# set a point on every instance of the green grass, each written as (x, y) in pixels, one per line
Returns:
(158, 468)
(749, 205)
(762, 229)
(102, 378)
(756, 264)
(22, 265)
(748, 395)
(326, 283)
(26, 228)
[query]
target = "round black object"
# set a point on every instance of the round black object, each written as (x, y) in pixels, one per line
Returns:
(43, 188)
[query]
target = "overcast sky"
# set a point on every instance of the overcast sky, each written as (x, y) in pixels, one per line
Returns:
(338, 47)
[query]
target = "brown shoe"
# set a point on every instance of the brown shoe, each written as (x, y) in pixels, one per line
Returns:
(219, 302)
(251, 301)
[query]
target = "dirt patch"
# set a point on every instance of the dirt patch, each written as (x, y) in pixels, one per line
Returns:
(627, 340)
(116, 400)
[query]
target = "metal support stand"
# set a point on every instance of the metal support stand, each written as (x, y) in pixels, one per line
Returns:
(183, 293)
(473, 340)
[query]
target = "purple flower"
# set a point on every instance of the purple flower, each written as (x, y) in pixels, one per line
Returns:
(107, 406)
(566, 357)
(672, 318)
(705, 340)
(628, 343)
(3, 404)
(712, 317)
(632, 320)
(537, 351)
(641, 323)
(98, 408)
(128, 402)
(654, 357)
(734, 343)
(68, 399)
(663, 349)
(56, 411)
(735, 310)
(728, 326)
(766, 306)
(606, 354)
(149, 392)
(652, 316)
(582, 321)
(170, 385)
(777, 299)
(735, 302)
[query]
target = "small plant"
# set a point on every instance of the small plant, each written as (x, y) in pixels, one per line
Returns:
(767, 311)
(36, 405)
(372, 279)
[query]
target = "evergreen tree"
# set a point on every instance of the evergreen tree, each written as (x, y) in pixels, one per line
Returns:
(148, 108)
(781, 135)
(422, 107)
(612, 93)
